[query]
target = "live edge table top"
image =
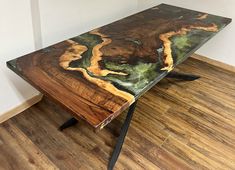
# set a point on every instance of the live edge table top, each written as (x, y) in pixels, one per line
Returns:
(99, 74)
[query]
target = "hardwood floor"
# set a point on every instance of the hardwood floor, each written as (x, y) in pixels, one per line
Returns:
(177, 125)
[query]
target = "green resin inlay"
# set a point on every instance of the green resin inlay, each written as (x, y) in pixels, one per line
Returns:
(138, 76)
(183, 44)
(141, 74)
(90, 41)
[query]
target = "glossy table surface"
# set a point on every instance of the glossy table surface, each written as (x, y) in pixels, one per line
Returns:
(99, 74)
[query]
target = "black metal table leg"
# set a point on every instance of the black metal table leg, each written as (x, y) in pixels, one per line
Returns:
(121, 137)
(182, 76)
(68, 123)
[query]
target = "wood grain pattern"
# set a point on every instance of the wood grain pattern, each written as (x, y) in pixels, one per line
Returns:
(177, 125)
(98, 74)
(18, 151)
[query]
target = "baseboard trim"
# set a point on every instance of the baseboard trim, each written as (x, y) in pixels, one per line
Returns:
(18, 109)
(214, 62)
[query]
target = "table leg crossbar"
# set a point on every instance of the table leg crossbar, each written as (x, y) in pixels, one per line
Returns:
(68, 123)
(182, 76)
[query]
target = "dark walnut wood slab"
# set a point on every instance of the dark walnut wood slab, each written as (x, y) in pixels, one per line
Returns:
(98, 74)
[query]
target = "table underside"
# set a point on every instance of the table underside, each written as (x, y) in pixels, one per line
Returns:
(99, 74)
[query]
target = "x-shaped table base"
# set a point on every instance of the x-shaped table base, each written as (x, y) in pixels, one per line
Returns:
(126, 124)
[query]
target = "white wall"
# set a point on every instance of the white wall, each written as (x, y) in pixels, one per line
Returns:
(61, 19)
(57, 20)
(221, 46)
(16, 39)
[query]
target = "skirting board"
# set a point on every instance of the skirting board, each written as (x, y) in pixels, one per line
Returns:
(37, 98)
(18, 109)
(214, 62)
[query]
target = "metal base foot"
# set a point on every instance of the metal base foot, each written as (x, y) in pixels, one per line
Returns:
(121, 137)
(68, 123)
(182, 76)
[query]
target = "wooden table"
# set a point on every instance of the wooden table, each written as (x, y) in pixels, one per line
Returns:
(101, 73)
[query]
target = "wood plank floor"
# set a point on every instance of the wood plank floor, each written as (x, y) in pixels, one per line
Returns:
(177, 125)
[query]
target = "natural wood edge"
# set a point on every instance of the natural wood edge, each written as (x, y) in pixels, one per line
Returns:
(7, 115)
(214, 62)
(20, 108)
